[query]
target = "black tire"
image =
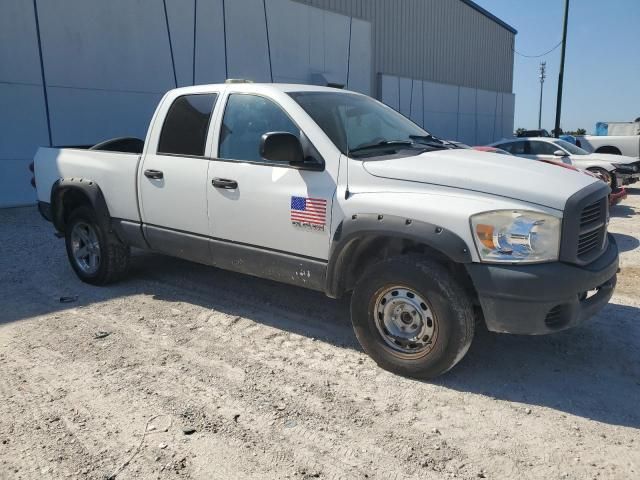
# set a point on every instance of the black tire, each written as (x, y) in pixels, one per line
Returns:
(114, 255)
(605, 176)
(452, 310)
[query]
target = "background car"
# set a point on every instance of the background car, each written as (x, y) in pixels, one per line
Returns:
(615, 170)
(533, 133)
(484, 148)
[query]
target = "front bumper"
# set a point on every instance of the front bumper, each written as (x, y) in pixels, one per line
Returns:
(617, 196)
(544, 298)
(623, 178)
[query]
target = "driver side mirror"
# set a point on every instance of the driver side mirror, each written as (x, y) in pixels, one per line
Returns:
(560, 153)
(284, 147)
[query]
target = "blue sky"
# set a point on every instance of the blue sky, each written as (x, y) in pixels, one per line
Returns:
(602, 68)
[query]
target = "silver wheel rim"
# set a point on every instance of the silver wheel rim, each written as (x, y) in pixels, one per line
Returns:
(405, 321)
(85, 247)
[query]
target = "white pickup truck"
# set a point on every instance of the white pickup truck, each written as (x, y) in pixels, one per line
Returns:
(333, 191)
(622, 138)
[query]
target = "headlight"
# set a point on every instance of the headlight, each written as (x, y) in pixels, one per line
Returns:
(625, 167)
(516, 236)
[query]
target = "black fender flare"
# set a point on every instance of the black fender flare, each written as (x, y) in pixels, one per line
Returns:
(357, 228)
(90, 189)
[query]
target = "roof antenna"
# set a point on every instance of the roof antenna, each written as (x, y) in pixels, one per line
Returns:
(347, 193)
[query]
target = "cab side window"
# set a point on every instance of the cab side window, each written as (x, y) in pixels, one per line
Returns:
(246, 119)
(185, 127)
(542, 148)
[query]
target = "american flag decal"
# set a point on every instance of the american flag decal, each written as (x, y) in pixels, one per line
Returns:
(310, 212)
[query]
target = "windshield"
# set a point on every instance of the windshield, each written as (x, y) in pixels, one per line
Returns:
(358, 124)
(570, 147)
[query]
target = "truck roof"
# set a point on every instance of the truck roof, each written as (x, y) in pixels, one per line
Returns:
(257, 87)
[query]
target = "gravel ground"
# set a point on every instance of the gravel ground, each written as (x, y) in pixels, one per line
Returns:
(185, 371)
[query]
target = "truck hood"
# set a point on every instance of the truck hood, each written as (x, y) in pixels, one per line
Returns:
(494, 174)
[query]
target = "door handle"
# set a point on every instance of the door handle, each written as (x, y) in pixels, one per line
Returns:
(224, 183)
(155, 174)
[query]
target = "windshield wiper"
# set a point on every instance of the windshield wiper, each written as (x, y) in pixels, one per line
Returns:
(431, 141)
(383, 143)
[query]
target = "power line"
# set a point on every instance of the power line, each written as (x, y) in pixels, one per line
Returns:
(538, 56)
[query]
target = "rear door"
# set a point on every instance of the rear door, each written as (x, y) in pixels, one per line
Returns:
(267, 205)
(519, 148)
(172, 181)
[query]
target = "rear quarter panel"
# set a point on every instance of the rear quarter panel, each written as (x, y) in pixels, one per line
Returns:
(115, 174)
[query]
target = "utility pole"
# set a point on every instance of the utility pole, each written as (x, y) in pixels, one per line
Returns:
(543, 75)
(561, 76)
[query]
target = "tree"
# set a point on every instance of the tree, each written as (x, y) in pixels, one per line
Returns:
(520, 131)
(581, 131)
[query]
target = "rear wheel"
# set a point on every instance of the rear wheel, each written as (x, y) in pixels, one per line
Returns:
(412, 317)
(609, 150)
(96, 254)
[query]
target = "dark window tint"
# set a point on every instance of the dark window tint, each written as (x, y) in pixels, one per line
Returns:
(516, 148)
(542, 148)
(246, 119)
(185, 128)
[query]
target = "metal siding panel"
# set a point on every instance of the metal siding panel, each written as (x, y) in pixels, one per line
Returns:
(19, 57)
(210, 54)
(125, 36)
(181, 21)
(246, 34)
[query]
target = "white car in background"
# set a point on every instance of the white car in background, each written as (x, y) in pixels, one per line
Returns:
(615, 170)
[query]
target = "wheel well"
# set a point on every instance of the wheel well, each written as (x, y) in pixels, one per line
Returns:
(609, 149)
(66, 202)
(363, 253)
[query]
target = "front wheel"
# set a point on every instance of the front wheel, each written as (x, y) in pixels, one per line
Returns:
(412, 317)
(605, 176)
(96, 254)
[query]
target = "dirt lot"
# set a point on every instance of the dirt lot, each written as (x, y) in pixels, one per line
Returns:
(235, 377)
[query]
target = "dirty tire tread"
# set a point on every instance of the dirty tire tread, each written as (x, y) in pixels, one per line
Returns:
(451, 302)
(114, 262)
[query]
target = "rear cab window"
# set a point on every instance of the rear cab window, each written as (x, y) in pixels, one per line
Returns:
(184, 132)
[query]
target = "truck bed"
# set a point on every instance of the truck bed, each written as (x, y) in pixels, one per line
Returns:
(115, 172)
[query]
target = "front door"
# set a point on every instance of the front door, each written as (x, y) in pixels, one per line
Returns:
(173, 180)
(268, 205)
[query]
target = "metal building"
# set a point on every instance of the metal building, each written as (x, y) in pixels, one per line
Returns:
(74, 72)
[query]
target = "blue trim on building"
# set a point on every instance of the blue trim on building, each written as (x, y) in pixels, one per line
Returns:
(224, 32)
(44, 80)
(195, 42)
(173, 62)
(490, 15)
(266, 27)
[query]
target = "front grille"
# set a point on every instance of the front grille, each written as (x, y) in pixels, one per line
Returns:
(590, 214)
(584, 226)
(554, 317)
(593, 228)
